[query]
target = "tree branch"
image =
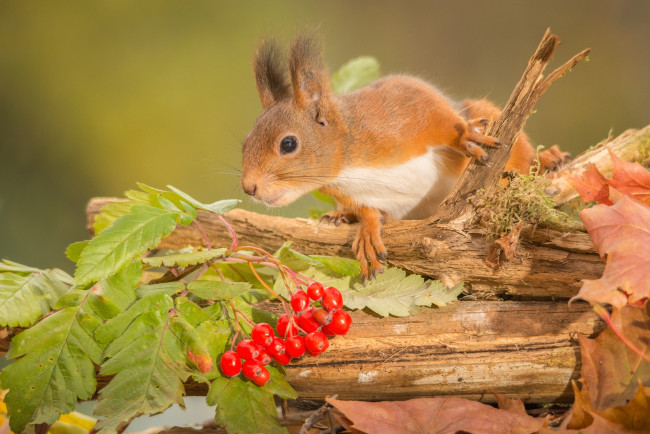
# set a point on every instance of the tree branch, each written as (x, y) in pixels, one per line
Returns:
(520, 104)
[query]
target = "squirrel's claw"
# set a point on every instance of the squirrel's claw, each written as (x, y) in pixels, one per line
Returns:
(368, 246)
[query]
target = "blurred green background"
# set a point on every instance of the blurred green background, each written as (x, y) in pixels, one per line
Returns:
(96, 95)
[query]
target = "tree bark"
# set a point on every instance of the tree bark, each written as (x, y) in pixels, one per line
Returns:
(466, 349)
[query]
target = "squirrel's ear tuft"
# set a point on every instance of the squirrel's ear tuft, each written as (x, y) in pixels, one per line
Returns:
(309, 78)
(271, 74)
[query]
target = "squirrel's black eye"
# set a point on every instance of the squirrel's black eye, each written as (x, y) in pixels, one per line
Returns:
(288, 145)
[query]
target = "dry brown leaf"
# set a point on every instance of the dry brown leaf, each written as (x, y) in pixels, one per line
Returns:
(610, 370)
(434, 415)
(509, 404)
(620, 233)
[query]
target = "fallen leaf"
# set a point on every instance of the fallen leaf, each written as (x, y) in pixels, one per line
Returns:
(630, 178)
(610, 370)
(510, 404)
(620, 233)
(433, 415)
(591, 185)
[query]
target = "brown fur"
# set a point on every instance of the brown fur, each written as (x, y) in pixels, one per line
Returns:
(382, 125)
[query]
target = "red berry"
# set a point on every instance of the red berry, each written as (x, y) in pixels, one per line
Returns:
(247, 349)
(307, 322)
(321, 316)
(295, 346)
(282, 359)
(283, 327)
(315, 291)
(262, 334)
(230, 364)
(264, 358)
(262, 378)
(253, 370)
(299, 301)
(316, 343)
(276, 347)
(340, 323)
(332, 299)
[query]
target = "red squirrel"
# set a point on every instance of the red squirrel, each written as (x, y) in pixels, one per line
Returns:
(391, 150)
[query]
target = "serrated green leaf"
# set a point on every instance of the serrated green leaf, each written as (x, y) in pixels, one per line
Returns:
(55, 370)
(212, 290)
(390, 293)
(73, 252)
(190, 311)
(219, 207)
(109, 213)
(278, 385)
(7, 265)
(169, 288)
(342, 266)
(243, 407)
(24, 298)
(184, 259)
(114, 327)
(216, 335)
(149, 367)
(128, 237)
(355, 74)
(238, 272)
(168, 204)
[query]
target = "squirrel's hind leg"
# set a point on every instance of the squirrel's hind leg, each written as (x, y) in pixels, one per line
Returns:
(367, 245)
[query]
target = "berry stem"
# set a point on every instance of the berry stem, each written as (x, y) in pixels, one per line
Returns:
(233, 234)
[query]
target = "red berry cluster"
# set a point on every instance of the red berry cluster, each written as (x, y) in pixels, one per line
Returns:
(317, 322)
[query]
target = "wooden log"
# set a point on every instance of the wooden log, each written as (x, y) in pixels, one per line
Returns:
(631, 145)
(466, 349)
(549, 264)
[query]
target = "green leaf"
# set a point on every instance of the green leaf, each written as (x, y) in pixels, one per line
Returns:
(213, 290)
(219, 207)
(7, 265)
(56, 368)
(243, 407)
(355, 74)
(184, 259)
(128, 237)
(324, 198)
(149, 366)
(342, 266)
(24, 298)
(394, 293)
(114, 327)
(390, 293)
(169, 288)
(278, 385)
(73, 252)
(110, 213)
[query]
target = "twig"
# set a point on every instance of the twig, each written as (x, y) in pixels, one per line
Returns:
(315, 417)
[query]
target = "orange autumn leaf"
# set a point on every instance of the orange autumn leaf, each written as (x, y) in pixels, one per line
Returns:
(621, 234)
(203, 362)
(591, 185)
(631, 179)
(611, 371)
(433, 415)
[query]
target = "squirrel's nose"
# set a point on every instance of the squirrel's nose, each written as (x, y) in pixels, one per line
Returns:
(249, 189)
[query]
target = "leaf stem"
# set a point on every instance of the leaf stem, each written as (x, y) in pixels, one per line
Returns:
(602, 312)
(233, 234)
(208, 244)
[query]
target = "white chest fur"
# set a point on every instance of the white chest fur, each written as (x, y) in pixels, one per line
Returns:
(412, 189)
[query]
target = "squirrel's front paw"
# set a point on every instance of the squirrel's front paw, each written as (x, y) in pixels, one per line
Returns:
(473, 137)
(369, 248)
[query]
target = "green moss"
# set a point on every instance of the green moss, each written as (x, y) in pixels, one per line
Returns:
(523, 199)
